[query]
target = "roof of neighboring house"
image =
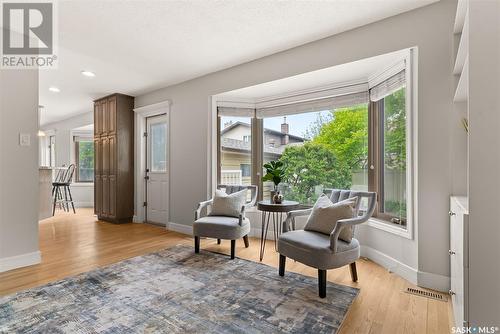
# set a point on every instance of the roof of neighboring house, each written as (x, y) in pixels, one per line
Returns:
(271, 131)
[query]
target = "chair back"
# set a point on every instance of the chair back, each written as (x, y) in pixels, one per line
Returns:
(60, 175)
(68, 175)
(338, 195)
(235, 188)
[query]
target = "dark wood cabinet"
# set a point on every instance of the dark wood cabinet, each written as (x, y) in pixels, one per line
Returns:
(114, 153)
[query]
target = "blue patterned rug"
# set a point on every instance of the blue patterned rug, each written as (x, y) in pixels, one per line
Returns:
(177, 291)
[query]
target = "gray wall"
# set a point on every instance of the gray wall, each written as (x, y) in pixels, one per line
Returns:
(18, 164)
(429, 28)
(484, 161)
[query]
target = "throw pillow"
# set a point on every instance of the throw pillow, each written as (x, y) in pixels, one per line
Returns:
(228, 205)
(325, 215)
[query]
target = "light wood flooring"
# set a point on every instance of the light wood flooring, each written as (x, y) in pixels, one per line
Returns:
(72, 244)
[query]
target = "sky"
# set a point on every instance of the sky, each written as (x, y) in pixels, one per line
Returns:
(298, 124)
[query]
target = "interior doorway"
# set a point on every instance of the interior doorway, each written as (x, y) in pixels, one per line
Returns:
(156, 178)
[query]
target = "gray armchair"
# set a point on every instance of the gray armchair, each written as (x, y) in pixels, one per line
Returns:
(223, 227)
(323, 251)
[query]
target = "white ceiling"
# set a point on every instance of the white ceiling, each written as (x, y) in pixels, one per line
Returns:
(137, 46)
(354, 72)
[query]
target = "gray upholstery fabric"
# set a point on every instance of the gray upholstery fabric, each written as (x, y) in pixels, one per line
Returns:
(313, 249)
(228, 204)
(325, 214)
(221, 227)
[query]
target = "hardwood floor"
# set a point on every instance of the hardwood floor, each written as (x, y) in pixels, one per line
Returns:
(72, 244)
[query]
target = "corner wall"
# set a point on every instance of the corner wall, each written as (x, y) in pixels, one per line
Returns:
(429, 28)
(18, 169)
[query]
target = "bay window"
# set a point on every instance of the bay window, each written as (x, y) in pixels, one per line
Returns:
(356, 139)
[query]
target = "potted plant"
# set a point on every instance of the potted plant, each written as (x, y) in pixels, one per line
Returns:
(275, 172)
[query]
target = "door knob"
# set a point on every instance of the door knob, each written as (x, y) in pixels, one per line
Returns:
(451, 252)
(451, 213)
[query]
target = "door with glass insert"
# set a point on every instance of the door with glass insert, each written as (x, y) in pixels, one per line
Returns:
(157, 170)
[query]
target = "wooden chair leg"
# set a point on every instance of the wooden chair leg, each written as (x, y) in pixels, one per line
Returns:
(322, 283)
(233, 246)
(55, 202)
(245, 239)
(282, 265)
(354, 272)
(196, 244)
(71, 199)
(218, 241)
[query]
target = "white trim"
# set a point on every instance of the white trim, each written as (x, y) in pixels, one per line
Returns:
(180, 228)
(391, 264)
(389, 227)
(83, 204)
(433, 281)
(141, 113)
(386, 73)
(19, 261)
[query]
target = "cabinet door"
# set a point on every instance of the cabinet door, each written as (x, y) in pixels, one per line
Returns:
(112, 155)
(105, 195)
(112, 197)
(97, 157)
(104, 117)
(111, 113)
(105, 156)
(98, 195)
(457, 261)
(97, 120)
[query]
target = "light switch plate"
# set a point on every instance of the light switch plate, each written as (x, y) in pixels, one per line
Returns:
(24, 139)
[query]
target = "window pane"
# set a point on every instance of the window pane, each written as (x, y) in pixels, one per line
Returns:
(235, 155)
(321, 150)
(158, 147)
(86, 161)
(394, 157)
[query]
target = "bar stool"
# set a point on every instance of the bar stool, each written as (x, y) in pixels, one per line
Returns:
(62, 184)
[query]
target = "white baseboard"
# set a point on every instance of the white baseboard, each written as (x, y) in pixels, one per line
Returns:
(84, 204)
(180, 228)
(433, 281)
(391, 264)
(19, 261)
(135, 219)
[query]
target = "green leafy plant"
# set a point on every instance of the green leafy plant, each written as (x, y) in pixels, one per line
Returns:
(275, 171)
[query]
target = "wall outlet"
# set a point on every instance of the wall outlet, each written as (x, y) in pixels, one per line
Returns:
(24, 139)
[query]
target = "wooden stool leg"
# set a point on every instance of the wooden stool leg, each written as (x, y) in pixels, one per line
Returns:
(71, 199)
(218, 241)
(54, 192)
(245, 239)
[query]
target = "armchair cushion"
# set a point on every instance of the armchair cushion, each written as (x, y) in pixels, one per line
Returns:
(221, 227)
(228, 204)
(325, 215)
(313, 249)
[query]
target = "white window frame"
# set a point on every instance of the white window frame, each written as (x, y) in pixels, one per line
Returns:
(411, 70)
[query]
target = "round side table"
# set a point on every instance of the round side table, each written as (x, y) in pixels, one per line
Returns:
(275, 211)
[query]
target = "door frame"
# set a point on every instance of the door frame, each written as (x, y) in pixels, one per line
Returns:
(140, 115)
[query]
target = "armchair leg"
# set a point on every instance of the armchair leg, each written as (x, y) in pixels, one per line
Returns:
(218, 241)
(354, 272)
(282, 265)
(233, 246)
(322, 283)
(245, 239)
(196, 244)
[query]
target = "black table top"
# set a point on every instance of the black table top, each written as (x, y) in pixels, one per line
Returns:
(285, 206)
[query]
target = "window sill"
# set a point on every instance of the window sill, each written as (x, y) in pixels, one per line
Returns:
(390, 228)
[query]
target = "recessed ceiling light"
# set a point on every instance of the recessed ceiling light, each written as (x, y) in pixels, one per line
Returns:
(54, 89)
(88, 73)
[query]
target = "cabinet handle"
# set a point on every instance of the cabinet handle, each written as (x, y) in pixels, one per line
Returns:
(451, 252)
(451, 213)
(451, 293)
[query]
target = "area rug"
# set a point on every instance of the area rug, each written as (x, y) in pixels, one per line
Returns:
(177, 291)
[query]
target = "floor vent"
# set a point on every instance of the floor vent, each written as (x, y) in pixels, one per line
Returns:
(426, 294)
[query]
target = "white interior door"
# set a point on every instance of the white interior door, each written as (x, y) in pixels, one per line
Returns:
(157, 170)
